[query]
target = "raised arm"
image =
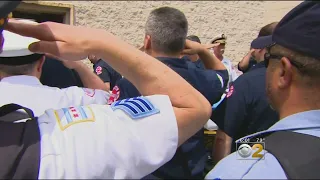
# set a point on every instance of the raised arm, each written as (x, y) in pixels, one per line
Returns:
(209, 59)
(150, 76)
(88, 78)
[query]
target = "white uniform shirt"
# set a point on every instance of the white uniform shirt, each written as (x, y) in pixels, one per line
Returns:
(28, 91)
(233, 75)
(104, 142)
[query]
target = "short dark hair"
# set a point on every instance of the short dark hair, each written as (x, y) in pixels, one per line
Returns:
(24, 69)
(168, 28)
(194, 38)
(267, 29)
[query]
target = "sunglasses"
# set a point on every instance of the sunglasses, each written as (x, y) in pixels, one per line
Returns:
(268, 56)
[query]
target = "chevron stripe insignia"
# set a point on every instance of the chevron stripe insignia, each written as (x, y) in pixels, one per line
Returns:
(136, 108)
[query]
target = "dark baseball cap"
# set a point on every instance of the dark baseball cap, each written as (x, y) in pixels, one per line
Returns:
(298, 30)
(261, 42)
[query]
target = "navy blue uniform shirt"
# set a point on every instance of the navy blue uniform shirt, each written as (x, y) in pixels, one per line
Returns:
(55, 74)
(106, 73)
(199, 64)
(191, 156)
(246, 109)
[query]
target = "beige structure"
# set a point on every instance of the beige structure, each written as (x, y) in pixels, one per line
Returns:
(239, 20)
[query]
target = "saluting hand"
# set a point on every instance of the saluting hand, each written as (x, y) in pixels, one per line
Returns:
(60, 40)
(192, 47)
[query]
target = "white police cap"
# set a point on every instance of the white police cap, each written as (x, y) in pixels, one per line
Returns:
(16, 45)
(221, 38)
(16, 48)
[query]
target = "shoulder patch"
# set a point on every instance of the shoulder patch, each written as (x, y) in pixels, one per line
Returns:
(115, 94)
(136, 108)
(89, 92)
(99, 70)
(67, 117)
(230, 92)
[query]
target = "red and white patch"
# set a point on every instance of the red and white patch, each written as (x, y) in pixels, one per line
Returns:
(74, 112)
(114, 96)
(89, 92)
(230, 92)
(99, 70)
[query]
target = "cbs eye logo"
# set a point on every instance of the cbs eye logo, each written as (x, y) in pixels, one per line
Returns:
(246, 151)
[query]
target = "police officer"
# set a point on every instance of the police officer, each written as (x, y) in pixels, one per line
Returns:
(246, 110)
(292, 79)
(108, 75)
(21, 69)
(218, 51)
(166, 30)
(128, 139)
(249, 61)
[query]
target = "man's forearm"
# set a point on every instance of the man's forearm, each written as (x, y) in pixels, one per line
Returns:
(89, 79)
(210, 61)
(221, 147)
(244, 63)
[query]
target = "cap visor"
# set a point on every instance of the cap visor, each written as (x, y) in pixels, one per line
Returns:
(261, 42)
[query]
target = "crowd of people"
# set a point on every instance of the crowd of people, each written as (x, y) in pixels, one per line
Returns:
(141, 112)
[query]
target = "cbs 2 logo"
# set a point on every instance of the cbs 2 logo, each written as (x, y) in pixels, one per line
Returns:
(246, 150)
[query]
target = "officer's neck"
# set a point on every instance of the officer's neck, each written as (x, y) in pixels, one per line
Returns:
(5, 75)
(304, 100)
(159, 54)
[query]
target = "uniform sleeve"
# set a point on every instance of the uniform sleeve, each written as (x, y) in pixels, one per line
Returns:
(216, 90)
(85, 96)
(235, 108)
(224, 76)
(103, 73)
(107, 143)
(232, 167)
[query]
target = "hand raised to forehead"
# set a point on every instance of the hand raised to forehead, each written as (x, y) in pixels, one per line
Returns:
(192, 47)
(60, 40)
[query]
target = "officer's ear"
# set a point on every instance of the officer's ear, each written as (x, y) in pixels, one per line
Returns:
(285, 73)
(40, 63)
(147, 42)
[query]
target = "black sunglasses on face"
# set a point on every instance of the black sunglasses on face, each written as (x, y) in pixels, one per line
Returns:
(268, 56)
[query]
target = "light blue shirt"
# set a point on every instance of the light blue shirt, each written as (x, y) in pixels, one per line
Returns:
(268, 168)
